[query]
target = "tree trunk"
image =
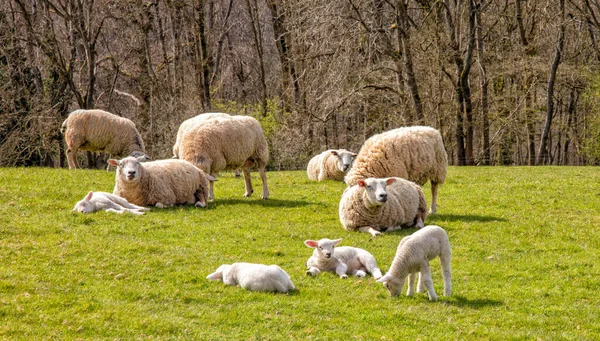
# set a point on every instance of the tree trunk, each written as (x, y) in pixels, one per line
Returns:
(485, 124)
(403, 32)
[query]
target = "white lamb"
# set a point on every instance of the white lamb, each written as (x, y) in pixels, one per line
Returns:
(98, 130)
(191, 123)
(341, 260)
(413, 255)
(96, 201)
(379, 205)
(160, 183)
(412, 153)
(254, 277)
(330, 164)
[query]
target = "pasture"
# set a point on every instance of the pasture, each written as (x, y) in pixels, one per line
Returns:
(525, 244)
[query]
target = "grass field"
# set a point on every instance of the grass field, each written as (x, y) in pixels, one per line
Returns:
(525, 262)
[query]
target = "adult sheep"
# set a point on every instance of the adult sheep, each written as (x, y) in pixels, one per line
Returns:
(330, 164)
(100, 131)
(191, 123)
(160, 183)
(227, 144)
(412, 153)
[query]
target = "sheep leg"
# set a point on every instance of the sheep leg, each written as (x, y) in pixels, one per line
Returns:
(248, 182)
(434, 191)
(420, 285)
(114, 210)
(419, 224)
(313, 271)
(280, 287)
(369, 229)
(427, 281)
(446, 274)
(341, 269)
(211, 190)
(263, 178)
(359, 273)
(411, 284)
(71, 153)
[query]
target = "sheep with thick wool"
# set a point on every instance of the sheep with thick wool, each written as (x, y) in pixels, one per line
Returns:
(96, 201)
(228, 143)
(162, 183)
(413, 256)
(254, 277)
(412, 153)
(330, 165)
(379, 205)
(100, 131)
(343, 260)
(190, 123)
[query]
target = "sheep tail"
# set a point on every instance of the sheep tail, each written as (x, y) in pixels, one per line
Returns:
(63, 127)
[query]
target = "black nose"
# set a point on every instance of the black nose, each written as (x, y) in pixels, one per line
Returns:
(131, 173)
(383, 197)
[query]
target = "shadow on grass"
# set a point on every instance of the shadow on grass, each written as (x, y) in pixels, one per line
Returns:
(461, 301)
(261, 202)
(464, 217)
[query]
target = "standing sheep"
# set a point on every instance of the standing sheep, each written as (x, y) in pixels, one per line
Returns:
(191, 123)
(96, 201)
(342, 260)
(228, 143)
(375, 205)
(413, 255)
(160, 183)
(330, 164)
(412, 153)
(254, 277)
(98, 130)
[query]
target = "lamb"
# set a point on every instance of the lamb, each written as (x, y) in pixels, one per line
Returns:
(254, 277)
(162, 183)
(228, 143)
(96, 201)
(412, 153)
(330, 164)
(191, 123)
(413, 255)
(98, 130)
(380, 205)
(342, 260)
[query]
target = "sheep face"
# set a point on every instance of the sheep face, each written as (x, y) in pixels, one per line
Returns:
(344, 160)
(128, 169)
(324, 247)
(394, 285)
(375, 193)
(222, 274)
(85, 205)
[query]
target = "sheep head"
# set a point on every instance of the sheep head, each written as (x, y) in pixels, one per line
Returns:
(375, 192)
(85, 205)
(323, 247)
(129, 169)
(393, 284)
(344, 159)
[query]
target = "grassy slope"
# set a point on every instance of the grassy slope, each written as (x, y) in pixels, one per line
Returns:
(525, 262)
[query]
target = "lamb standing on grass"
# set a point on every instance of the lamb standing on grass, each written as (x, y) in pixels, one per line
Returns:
(160, 183)
(330, 164)
(413, 255)
(412, 153)
(254, 277)
(96, 201)
(379, 205)
(228, 144)
(98, 130)
(342, 260)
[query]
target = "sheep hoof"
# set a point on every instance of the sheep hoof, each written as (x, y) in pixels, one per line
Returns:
(360, 273)
(159, 205)
(199, 204)
(310, 273)
(344, 276)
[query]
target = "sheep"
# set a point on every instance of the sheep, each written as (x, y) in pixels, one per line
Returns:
(254, 277)
(228, 143)
(96, 201)
(412, 153)
(376, 205)
(330, 164)
(342, 260)
(413, 255)
(191, 123)
(98, 130)
(141, 157)
(162, 183)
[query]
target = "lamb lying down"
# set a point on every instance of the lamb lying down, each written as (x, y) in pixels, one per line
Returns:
(96, 201)
(342, 260)
(254, 277)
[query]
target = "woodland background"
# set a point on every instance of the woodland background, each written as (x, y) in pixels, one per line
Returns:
(507, 82)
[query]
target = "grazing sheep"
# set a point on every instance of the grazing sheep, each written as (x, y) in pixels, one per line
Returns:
(191, 123)
(160, 183)
(228, 143)
(342, 260)
(98, 130)
(412, 153)
(413, 255)
(254, 277)
(379, 205)
(330, 164)
(96, 201)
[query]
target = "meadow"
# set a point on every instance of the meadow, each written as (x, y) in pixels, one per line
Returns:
(525, 244)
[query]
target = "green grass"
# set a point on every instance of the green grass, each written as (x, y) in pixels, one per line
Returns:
(525, 262)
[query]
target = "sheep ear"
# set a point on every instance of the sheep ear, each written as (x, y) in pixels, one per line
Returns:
(337, 241)
(390, 181)
(113, 162)
(311, 243)
(384, 279)
(353, 155)
(333, 152)
(88, 197)
(361, 183)
(216, 276)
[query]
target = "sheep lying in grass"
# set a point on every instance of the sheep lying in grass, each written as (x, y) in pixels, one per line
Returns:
(96, 201)
(413, 256)
(254, 277)
(330, 164)
(412, 153)
(98, 130)
(191, 123)
(379, 205)
(160, 183)
(342, 260)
